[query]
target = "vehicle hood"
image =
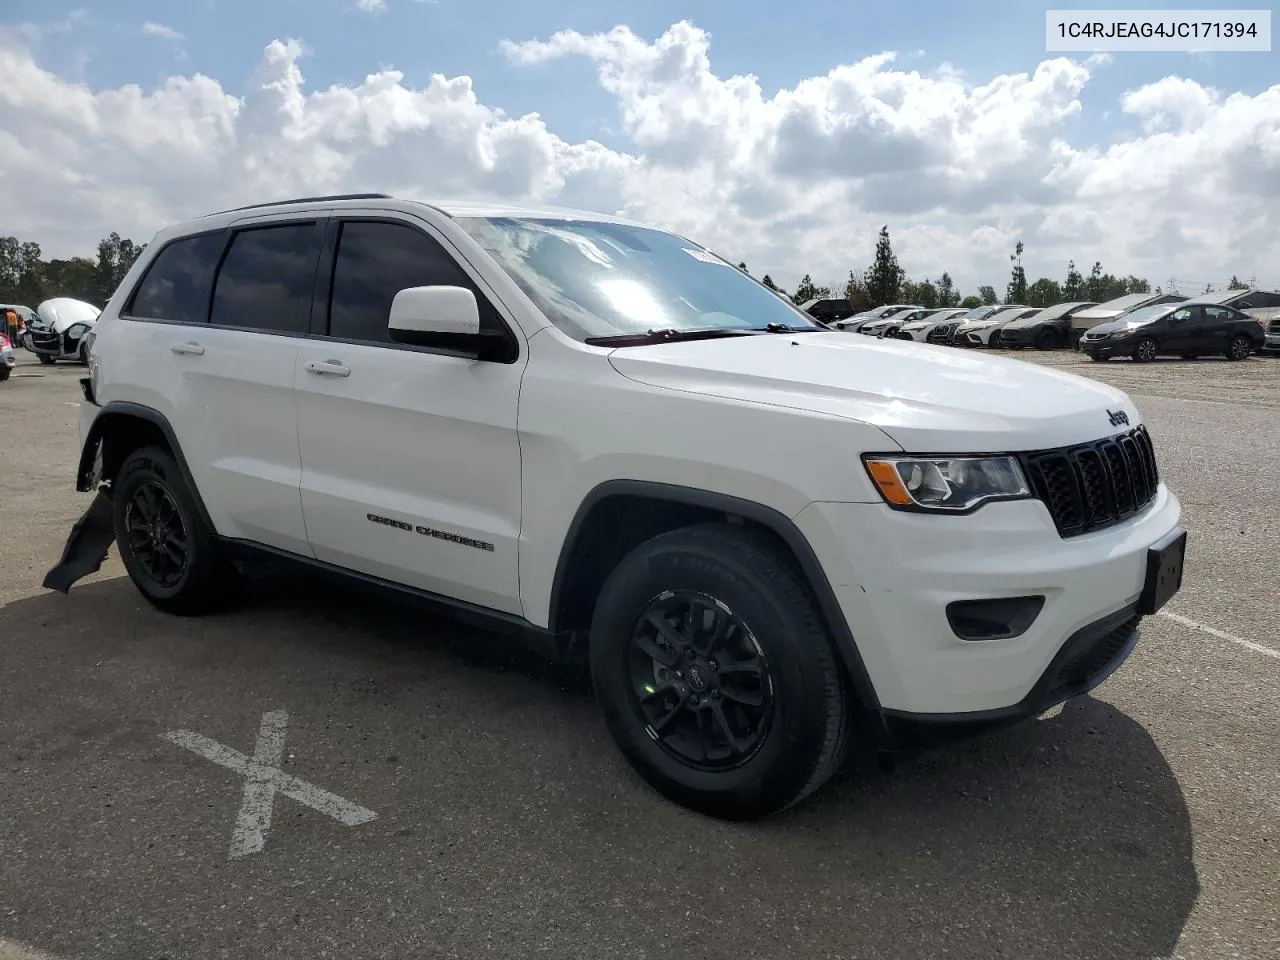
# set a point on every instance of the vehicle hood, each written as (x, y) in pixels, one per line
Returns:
(1113, 326)
(926, 398)
(918, 324)
(61, 313)
(1032, 321)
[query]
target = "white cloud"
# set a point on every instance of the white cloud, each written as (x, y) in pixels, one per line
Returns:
(153, 29)
(371, 6)
(960, 167)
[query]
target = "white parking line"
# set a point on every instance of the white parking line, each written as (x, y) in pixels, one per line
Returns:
(263, 780)
(1222, 634)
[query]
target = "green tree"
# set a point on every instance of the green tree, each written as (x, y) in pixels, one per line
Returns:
(115, 257)
(1237, 284)
(77, 277)
(743, 268)
(1134, 284)
(1073, 289)
(808, 290)
(988, 295)
(923, 294)
(1044, 293)
(768, 282)
(1095, 286)
(1016, 292)
(948, 295)
(855, 291)
(970, 302)
(884, 277)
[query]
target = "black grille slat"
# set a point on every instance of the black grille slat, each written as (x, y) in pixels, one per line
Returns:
(1096, 485)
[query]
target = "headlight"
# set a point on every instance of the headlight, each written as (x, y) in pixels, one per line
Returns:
(949, 484)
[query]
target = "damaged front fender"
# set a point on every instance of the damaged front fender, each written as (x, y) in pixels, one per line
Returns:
(90, 539)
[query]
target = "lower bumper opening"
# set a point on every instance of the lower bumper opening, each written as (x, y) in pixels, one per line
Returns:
(1086, 659)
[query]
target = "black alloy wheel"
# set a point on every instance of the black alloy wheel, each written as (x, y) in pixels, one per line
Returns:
(1239, 349)
(1048, 339)
(1145, 350)
(156, 533)
(700, 680)
(168, 549)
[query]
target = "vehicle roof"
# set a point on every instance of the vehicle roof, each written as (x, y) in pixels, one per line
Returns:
(449, 207)
(1128, 302)
(1226, 296)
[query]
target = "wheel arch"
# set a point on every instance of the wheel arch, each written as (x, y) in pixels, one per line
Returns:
(618, 515)
(122, 427)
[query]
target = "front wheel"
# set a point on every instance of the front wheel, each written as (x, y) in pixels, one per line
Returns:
(45, 359)
(1145, 350)
(1239, 348)
(168, 551)
(1048, 339)
(715, 674)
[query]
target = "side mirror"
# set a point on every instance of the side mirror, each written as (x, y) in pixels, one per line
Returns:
(447, 318)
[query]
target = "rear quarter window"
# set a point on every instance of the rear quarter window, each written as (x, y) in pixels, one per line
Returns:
(176, 286)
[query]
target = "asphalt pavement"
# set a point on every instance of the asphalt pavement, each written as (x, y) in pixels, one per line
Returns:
(321, 773)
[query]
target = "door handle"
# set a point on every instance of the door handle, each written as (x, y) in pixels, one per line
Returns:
(327, 368)
(190, 347)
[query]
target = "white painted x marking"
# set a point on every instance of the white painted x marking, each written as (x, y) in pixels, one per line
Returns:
(263, 780)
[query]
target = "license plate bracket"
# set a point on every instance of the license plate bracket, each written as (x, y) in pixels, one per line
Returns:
(1165, 562)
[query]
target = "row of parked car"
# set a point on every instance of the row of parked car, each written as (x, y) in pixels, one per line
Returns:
(1143, 326)
(60, 328)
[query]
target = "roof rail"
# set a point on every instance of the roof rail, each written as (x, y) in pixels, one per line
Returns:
(281, 203)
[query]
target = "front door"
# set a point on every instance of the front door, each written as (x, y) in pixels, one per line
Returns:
(1184, 330)
(410, 457)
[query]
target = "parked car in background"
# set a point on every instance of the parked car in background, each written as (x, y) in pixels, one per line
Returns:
(1046, 329)
(57, 332)
(936, 326)
(828, 310)
(1189, 330)
(978, 332)
(7, 359)
(888, 325)
(855, 322)
(1086, 320)
(14, 318)
(1271, 335)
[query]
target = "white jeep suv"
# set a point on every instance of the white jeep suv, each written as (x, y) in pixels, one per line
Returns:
(766, 538)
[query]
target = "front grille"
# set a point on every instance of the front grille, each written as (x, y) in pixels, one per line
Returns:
(1274, 326)
(1094, 485)
(940, 334)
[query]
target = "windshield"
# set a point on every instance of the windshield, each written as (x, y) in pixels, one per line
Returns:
(596, 279)
(1145, 314)
(977, 313)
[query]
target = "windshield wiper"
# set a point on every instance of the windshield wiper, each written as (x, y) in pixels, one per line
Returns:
(669, 335)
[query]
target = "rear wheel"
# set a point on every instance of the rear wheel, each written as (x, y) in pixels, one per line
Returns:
(45, 359)
(715, 674)
(1239, 348)
(1145, 350)
(167, 549)
(4, 373)
(1098, 357)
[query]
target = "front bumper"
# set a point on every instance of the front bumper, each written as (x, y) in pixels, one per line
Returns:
(1271, 342)
(1107, 348)
(894, 574)
(1019, 337)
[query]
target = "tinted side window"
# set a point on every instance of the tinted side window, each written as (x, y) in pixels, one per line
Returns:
(266, 279)
(1218, 314)
(1262, 299)
(374, 262)
(176, 285)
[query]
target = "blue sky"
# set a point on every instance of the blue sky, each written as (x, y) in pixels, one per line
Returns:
(1165, 165)
(779, 43)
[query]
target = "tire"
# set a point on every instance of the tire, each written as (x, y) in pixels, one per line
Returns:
(84, 353)
(1145, 350)
(1048, 339)
(4, 373)
(45, 359)
(203, 579)
(803, 713)
(1239, 349)
(1098, 358)
(891, 333)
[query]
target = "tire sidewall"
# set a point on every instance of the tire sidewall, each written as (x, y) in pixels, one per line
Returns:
(790, 745)
(1231, 348)
(143, 467)
(1138, 349)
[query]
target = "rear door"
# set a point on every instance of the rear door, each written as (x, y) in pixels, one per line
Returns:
(226, 312)
(1219, 325)
(410, 456)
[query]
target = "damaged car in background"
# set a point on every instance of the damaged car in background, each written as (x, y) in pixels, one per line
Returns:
(60, 330)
